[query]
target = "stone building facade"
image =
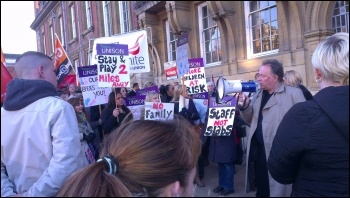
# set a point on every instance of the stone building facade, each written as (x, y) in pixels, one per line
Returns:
(233, 37)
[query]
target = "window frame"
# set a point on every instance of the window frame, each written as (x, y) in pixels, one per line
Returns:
(72, 19)
(88, 14)
(124, 21)
(249, 37)
(170, 42)
(60, 20)
(339, 16)
(107, 20)
(52, 39)
(201, 37)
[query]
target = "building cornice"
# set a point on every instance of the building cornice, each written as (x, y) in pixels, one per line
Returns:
(42, 14)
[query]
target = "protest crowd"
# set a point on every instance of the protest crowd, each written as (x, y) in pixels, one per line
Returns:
(84, 139)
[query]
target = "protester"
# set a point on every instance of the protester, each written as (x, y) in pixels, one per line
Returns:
(63, 95)
(211, 89)
(122, 90)
(264, 113)
(114, 112)
(94, 118)
(166, 93)
(200, 124)
(293, 78)
(223, 150)
(72, 90)
(135, 88)
(145, 158)
(40, 144)
(190, 113)
(152, 97)
(311, 147)
(87, 135)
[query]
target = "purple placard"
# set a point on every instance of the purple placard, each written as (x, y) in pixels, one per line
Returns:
(86, 71)
(195, 62)
(112, 49)
(143, 92)
(200, 95)
(182, 39)
(135, 100)
(231, 102)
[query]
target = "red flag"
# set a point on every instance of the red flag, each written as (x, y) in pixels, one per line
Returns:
(5, 77)
(65, 70)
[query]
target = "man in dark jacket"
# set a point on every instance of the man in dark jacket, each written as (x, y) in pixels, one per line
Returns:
(135, 87)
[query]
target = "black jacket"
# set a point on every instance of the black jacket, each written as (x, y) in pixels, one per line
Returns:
(109, 122)
(311, 146)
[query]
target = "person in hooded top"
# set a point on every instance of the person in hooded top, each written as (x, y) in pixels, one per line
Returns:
(40, 143)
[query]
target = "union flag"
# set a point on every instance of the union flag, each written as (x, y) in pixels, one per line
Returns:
(65, 70)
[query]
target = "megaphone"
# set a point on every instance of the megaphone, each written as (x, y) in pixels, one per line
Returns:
(226, 87)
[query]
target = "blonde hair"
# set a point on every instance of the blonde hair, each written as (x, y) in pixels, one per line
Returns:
(177, 93)
(150, 95)
(292, 78)
(331, 57)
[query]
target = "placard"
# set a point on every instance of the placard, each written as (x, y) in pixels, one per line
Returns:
(112, 65)
(138, 59)
(221, 117)
(170, 70)
(195, 80)
(136, 104)
(145, 91)
(159, 111)
(92, 94)
(182, 55)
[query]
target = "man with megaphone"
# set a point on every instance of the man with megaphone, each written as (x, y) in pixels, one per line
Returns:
(264, 112)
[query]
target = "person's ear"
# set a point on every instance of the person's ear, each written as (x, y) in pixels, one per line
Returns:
(172, 190)
(318, 73)
(41, 72)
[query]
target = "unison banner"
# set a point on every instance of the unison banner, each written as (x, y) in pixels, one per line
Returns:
(92, 94)
(138, 59)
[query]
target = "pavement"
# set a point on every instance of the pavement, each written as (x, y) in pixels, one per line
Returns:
(211, 181)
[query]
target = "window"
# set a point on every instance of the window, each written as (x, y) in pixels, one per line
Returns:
(88, 14)
(262, 26)
(107, 17)
(61, 30)
(43, 43)
(88, 57)
(76, 63)
(210, 40)
(340, 18)
(72, 14)
(171, 41)
(124, 12)
(52, 39)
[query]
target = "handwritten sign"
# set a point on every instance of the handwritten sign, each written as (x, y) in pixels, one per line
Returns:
(182, 55)
(195, 80)
(170, 70)
(112, 65)
(138, 59)
(159, 111)
(220, 118)
(92, 94)
(145, 91)
(136, 104)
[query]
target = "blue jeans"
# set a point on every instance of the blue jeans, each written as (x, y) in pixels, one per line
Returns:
(226, 175)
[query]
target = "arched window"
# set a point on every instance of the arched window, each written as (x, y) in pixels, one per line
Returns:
(340, 18)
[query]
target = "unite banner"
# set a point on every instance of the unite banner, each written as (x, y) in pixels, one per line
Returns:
(138, 59)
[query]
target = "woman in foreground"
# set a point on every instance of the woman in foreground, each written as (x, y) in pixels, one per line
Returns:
(142, 158)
